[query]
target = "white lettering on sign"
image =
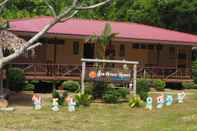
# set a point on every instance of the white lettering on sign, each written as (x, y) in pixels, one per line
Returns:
(110, 74)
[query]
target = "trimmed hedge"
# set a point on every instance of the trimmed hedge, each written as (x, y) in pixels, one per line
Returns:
(143, 87)
(111, 96)
(72, 86)
(159, 85)
(16, 79)
(83, 99)
(189, 85)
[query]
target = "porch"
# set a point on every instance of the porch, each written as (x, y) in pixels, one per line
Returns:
(46, 71)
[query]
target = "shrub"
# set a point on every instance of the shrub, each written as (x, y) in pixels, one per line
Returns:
(123, 92)
(135, 101)
(99, 89)
(89, 87)
(29, 87)
(72, 86)
(194, 71)
(143, 88)
(83, 99)
(55, 94)
(111, 96)
(61, 98)
(189, 85)
(159, 85)
(16, 79)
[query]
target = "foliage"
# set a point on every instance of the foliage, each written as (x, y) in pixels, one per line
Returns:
(194, 71)
(72, 86)
(83, 99)
(111, 96)
(174, 14)
(123, 92)
(29, 87)
(16, 79)
(135, 101)
(143, 87)
(61, 98)
(189, 85)
(55, 94)
(99, 89)
(159, 85)
(103, 40)
(89, 88)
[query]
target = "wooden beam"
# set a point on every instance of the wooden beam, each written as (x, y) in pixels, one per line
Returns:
(110, 61)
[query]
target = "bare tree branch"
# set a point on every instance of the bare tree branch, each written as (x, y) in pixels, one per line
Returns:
(50, 8)
(72, 10)
(92, 6)
(34, 46)
(2, 5)
(69, 17)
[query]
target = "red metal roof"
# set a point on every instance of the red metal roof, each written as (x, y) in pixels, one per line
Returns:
(86, 27)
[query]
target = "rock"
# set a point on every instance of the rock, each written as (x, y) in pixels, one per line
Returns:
(3, 103)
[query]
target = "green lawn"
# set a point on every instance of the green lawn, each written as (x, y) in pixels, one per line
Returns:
(100, 117)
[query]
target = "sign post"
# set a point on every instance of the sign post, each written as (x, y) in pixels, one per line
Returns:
(108, 75)
(83, 77)
(134, 78)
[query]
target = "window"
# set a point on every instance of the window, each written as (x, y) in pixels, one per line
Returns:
(110, 51)
(139, 46)
(150, 47)
(142, 46)
(75, 47)
(159, 47)
(122, 50)
(136, 46)
(51, 41)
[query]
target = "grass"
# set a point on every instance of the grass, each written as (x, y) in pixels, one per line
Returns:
(100, 117)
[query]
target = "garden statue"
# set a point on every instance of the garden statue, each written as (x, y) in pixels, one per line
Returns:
(149, 103)
(55, 105)
(180, 97)
(71, 104)
(169, 100)
(160, 101)
(37, 102)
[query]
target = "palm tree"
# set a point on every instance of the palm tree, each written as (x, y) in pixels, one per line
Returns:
(103, 42)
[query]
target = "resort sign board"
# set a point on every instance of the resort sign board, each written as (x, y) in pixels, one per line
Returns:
(107, 75)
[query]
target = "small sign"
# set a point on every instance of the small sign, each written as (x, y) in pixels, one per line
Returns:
(149, 103)
(169, 100)
(107, 75)
(160, 101)
(55, 105)
(180, 97)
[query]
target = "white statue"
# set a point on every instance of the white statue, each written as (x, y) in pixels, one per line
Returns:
(37, 102)
(71, 104)
(55, 105)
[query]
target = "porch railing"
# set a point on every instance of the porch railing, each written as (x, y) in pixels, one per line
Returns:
(44, 69)
(165, 73)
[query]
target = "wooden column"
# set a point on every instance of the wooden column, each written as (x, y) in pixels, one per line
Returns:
(134, 78)
(177, 55)
(83, 77)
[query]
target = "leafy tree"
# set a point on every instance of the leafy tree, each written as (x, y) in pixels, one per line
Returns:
(103, 41)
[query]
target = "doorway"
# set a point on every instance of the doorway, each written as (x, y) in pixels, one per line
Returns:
(88, 51)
